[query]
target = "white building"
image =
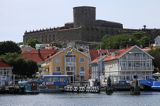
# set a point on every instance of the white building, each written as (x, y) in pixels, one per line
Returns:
(97, 68)
(126, 63)
(5, 73)
(157, 41)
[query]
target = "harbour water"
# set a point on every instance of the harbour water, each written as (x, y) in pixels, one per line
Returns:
(74, 99)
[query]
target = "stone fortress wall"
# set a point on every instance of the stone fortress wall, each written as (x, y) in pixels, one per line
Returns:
(84, 28)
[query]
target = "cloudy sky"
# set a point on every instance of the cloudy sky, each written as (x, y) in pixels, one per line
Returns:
(17, 16)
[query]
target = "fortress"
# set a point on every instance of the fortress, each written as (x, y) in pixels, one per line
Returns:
(84, 28)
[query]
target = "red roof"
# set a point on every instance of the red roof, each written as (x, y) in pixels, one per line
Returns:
(97, 59)
(117, 54)
(4, 64)
(34, 55)
(96, 53)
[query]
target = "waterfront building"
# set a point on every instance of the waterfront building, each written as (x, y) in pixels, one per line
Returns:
(5, 73)
(124, 64)
(97, 66)
(69, 61)
(97, 69)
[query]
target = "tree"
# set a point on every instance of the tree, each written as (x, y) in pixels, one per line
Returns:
(142, 39)
(33, 42)
(156, 54)
(24, 68)
(9, 47)
(117, 42)
(124, 40)
(21, 67)
(32, 68)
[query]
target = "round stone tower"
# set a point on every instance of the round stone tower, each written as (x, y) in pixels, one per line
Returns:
(84, 16)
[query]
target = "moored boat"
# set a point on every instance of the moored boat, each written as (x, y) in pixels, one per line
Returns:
(28, 87)
(53, 83)
(150, 84)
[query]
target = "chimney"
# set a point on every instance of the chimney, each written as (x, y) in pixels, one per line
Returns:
(39, 54)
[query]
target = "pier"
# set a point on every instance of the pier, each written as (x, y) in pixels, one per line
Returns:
(82, 89)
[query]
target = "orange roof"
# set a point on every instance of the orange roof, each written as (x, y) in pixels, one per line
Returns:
(36, 57)
(96, 53)
(97, 59)
(118, 54)
(4, 64)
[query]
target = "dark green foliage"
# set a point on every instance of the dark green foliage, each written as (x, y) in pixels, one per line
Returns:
(33, 42)
(11, 57)
(32, 68)
(25, 68)
(21, 67)
(156, 61)
(9, 47)
(10, 52)
(125, 40)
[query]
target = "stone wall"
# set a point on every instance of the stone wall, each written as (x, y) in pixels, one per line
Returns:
(42, 36)
(108, 24)
(84, 28)
(68, 35)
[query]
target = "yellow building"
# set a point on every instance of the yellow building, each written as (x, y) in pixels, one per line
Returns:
(69, 61)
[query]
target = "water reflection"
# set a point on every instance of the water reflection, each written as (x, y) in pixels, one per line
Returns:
(73, 99)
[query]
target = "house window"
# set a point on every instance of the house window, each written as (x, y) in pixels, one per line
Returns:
(70, 68)
(129, 64)
(81, 60)
(73, 59)
(147, 77)
(58, 68)
(147, 64)
(137, 64)
(70, 58)
(127, 77)
(57, 60)
(67, 59)
(81, 71)
(5, 73)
